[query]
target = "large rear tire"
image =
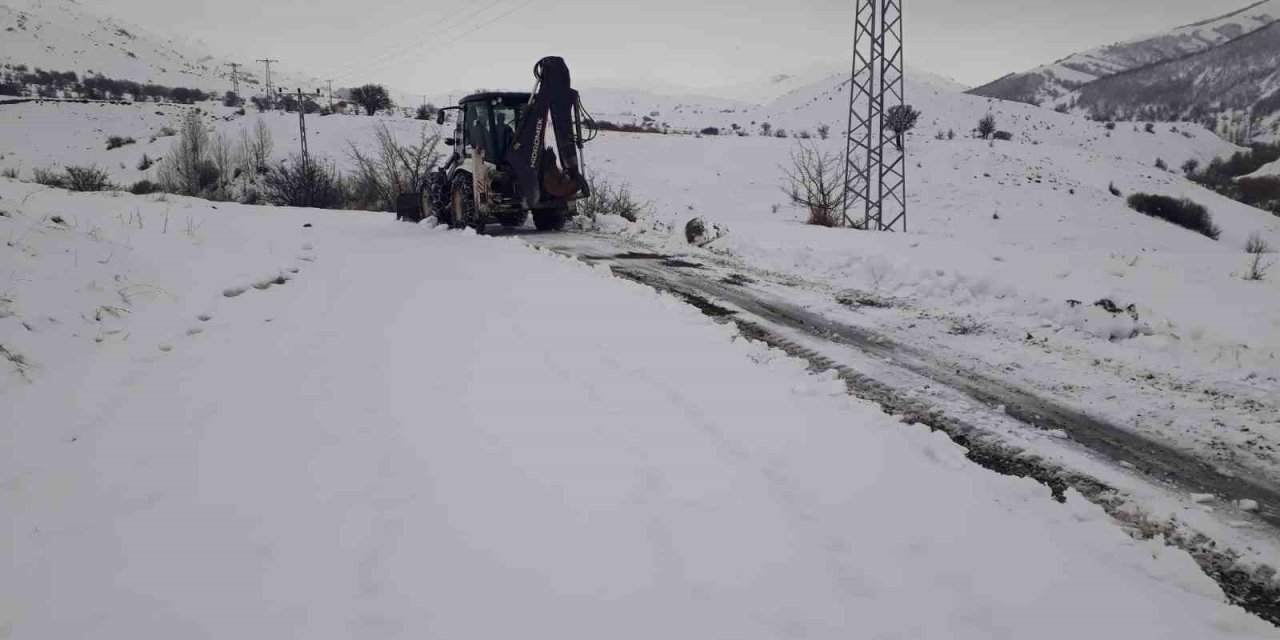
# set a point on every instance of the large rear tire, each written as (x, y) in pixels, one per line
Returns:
(549, 219)
(463, 205)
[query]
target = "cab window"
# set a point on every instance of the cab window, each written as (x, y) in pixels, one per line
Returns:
(476, 126)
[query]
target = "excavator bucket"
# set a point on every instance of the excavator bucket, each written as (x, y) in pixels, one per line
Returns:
(537, 177)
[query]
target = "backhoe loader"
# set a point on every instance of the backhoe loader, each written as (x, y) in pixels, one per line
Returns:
(502, 168)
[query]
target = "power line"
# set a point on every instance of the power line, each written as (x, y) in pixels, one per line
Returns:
(412, 44)
(451, 41)
(443, 23)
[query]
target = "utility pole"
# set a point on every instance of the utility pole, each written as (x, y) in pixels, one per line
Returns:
(330, 81)
(235, 79)
(875, 172)
(267, 61)
(302, 125)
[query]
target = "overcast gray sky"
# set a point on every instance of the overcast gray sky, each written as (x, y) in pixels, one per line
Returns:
(434, 46)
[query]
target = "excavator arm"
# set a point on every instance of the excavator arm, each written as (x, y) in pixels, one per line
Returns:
(537, 176)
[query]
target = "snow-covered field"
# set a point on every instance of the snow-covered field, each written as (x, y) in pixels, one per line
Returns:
(363, 428)
(1003, 236)
(44, 134)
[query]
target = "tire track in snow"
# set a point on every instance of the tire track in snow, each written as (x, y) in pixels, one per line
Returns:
(762, 316)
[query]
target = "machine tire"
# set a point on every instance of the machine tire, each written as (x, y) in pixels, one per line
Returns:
(513, 219)
(435, 196)
(549, 219)
(463, 203)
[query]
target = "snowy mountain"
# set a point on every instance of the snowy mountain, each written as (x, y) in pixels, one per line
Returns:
(1220, 71)
(64, 35)
(1053, 81)
(1233, 88)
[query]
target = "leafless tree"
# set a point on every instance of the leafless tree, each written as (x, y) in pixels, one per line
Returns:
(186, 170)
(900, 118)
(373, 97)
(815, 181)
(255, 149)
(390, 168)
(986, 126)
(223, 160)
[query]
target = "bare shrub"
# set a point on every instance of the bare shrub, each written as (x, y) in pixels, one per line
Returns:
(145, 163)
(815, 181)
(10, 172)
(313, 183)
(391, 169)
(1256, 245)
(48, 177)
(966, 326)
(1257, 269)
(90, 178)
(824, 131)
(143, 187)
(608, 199)
(115, 142)
(1180, 211)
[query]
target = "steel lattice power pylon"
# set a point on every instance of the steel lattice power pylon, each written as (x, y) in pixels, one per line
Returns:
(875, 172)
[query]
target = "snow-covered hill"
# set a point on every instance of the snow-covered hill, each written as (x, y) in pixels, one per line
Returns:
(1052, 82)
(1221, 72)
(630, 106)
(65, 35)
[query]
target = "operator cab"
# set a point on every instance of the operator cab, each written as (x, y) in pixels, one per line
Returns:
(488, 122)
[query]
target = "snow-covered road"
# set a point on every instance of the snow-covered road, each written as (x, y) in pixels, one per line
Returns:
(429, 434)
